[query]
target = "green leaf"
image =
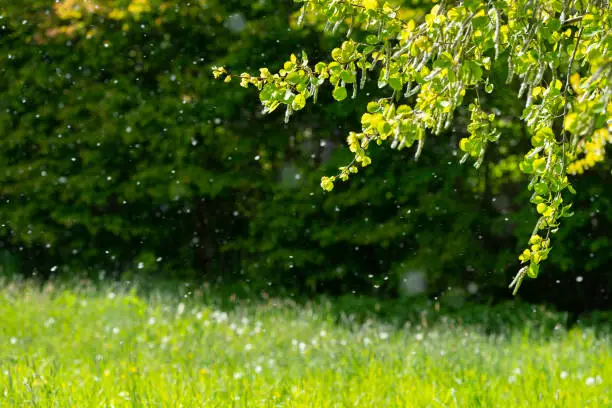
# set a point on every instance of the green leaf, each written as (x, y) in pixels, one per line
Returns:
(266, 93)
(395, 82)
(320, 67)
(533, 270)
(373, 107)
(472, 71)
(336, 54)
(371, 39)
(339, 94)
(541, 189)
(298, 102)
(327, 183)
(370, 4)
(347, 76)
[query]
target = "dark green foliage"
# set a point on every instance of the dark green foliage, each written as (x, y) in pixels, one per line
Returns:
(119, 149)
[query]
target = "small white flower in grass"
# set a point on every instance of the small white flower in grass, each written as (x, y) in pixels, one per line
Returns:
(294, 342)
(517, 371)
(366, 341)
(199, 315)
(384, 335)
(302, 347)
(511, 379)
(180, 309)
(13, 340)
(322, 333)
(564, 375)
(419, 336)
(219, 316)
(151, 321)
(248, 347)
(111, 295)
(258, 369)
(237, 376)
(140, 265)
(115, 330)
(590, 381)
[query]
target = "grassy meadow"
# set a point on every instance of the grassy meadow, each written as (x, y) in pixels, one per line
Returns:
(82, 346)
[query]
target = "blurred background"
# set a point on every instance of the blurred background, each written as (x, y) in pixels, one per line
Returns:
(122, 158)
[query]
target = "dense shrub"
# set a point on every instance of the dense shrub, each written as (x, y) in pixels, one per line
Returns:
(119, 152)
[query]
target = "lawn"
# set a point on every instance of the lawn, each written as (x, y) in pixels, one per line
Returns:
(81, 346)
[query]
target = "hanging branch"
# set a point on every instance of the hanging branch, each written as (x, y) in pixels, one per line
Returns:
(428, 67)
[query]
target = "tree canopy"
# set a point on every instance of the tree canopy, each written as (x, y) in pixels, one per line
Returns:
(557, 51)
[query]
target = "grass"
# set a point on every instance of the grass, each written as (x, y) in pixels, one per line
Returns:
(81, 346)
